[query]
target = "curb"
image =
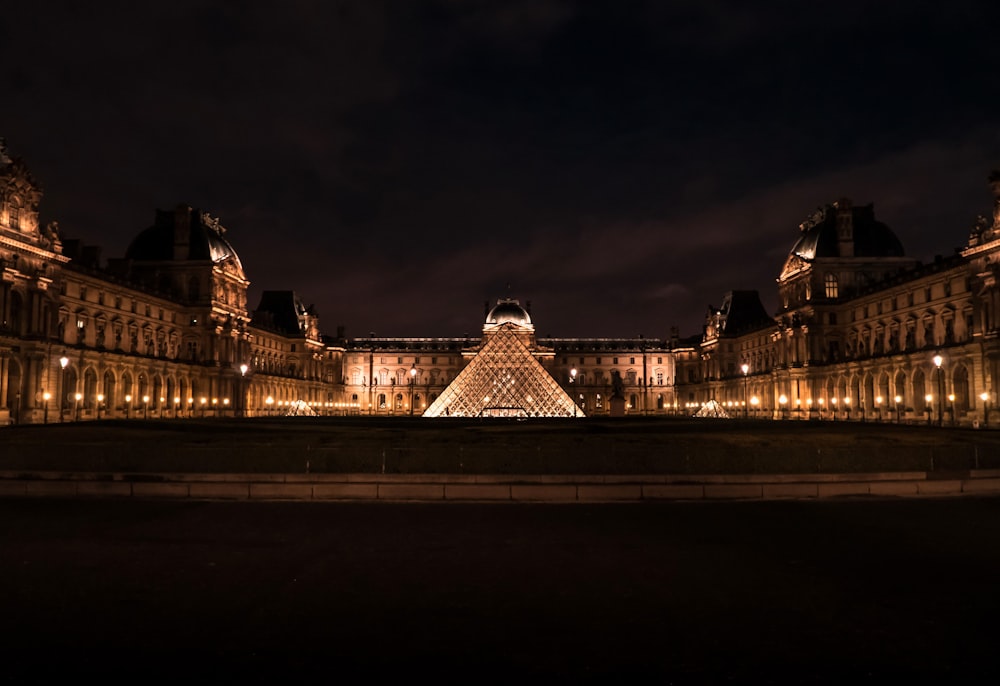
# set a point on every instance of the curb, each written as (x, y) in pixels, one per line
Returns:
(492, 488)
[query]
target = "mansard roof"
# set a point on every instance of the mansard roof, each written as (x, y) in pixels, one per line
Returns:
(819, 237)
(183, 234)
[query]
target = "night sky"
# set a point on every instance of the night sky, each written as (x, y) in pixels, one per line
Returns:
(621, 165)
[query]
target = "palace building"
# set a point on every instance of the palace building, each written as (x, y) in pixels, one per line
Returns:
(863, 333)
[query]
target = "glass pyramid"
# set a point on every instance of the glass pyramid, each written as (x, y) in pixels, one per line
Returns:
(503, 380)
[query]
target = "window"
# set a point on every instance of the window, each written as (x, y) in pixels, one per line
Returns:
(614, 360)
(659, 378)
(659, 360)
(830, 283)
(598, 360)
(631, 360)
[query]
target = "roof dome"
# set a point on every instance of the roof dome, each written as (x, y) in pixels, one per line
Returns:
(820, 236)
(508, 310)
(183, 234)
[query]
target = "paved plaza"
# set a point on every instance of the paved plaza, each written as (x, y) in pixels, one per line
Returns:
(836, 591)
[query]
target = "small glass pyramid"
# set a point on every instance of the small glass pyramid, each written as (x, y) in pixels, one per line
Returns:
(503, 380)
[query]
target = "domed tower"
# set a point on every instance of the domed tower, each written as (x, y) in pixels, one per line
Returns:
(840, 251)
(508, 311)
(186, 256)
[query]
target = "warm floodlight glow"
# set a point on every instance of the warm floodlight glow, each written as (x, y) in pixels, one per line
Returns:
(128, 398)
(225, 401)
(951, 397)
(78, 396)
(46, 396)
(984, 396)
(100, 397)
(145, 398)
(63, 361)
(243, 369)
(847, 400)
(203, 400)
(878, 400)
(745, 368)
(754, 400)
(783, 399)
(898, 399)
(937, 361)
(929, 397)
(269, 400)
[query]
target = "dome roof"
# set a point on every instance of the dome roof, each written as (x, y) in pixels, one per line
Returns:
(508, 310)
(197, 235)
(820, 237)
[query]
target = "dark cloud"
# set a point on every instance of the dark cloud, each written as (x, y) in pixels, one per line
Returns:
(619, 164)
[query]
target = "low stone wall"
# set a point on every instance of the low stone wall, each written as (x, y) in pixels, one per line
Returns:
(493, 488)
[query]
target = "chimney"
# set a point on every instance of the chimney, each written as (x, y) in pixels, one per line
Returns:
(845, 228)
(182, 232)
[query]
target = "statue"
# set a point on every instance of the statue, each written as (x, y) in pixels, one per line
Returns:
(617, 386)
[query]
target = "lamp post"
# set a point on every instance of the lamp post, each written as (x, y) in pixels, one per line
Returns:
(878, 407)
(951, 407)
(898, 399)
(46, 396)
(190, 403)
(145, 405)
(937, 363)
(754, 401)
(833, 402)
(413, 380)
(847, 407)
(783, 401)
(63, 361)
(77, 397)
(100, 401)
(929, 402)
(809, 408)
(269, 401)
(819, 410)
(745, 368)
(985, 397)
(572, 380)
(177, 406)
(243, 389)
(128, 401)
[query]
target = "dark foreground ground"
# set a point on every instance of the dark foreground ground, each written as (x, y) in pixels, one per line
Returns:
(736, 592)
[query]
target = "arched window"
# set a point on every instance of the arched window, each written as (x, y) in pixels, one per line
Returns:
(830, 285)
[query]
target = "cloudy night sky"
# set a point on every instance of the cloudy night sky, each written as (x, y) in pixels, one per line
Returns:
(621, 165)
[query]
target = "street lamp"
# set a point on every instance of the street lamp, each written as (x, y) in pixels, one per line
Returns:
(878, 406)
(269, 401)
(898, 399)
(78, 397)
(847, 406)
(985, 397)
(746, 370)
(783, 401)
(413, 381)
(833, 401)
(929, 401)
(128, 401)
(243, 389)
(100, 401)
(754, 400)
(951, 407)
(63, 361)
(937, 363)
(46, 396)
(177, 406)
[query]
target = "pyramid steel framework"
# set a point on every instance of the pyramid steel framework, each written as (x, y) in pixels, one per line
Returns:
(504, 380)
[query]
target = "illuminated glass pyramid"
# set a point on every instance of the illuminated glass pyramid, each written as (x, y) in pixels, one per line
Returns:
(503, 380)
